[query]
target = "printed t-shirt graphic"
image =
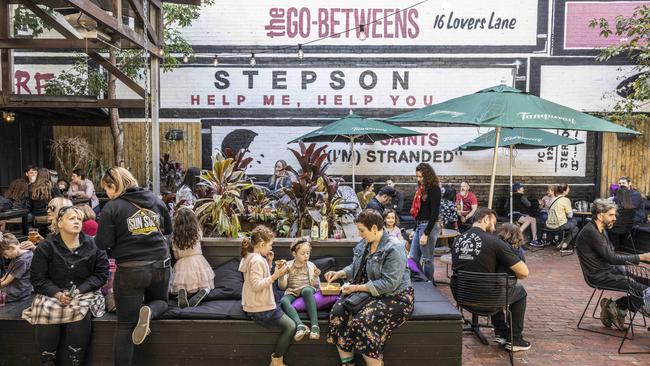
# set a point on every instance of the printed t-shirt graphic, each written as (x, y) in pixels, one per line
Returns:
(469, 246)
(143, 222)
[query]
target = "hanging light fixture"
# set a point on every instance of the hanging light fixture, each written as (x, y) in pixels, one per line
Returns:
(301, 52)
(186, 59)
(215, 61)
(253, 62)
(362, 32)
(8, 116)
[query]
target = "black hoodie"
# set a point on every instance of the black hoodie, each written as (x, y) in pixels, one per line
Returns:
(131, 234)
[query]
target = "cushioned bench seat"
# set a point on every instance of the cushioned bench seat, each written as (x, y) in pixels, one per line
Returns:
(218, 332)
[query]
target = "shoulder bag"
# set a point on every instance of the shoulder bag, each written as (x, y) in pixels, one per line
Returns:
(355, 301)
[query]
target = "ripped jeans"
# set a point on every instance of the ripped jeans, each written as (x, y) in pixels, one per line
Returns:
(423, 254)
(77, 336)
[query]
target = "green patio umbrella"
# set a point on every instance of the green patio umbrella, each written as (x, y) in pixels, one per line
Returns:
(355, 128)
(519, 138)
(503, 106)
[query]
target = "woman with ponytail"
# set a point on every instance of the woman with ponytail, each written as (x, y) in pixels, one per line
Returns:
(257, 295)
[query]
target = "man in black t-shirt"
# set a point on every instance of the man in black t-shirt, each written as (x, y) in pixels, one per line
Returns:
(479, 250)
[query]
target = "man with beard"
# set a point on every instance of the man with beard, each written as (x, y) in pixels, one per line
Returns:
(604, 267)
(479, 250)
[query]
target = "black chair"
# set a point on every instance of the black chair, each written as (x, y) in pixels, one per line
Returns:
(624, 225)
(642, 274)
(593, 314)
(484, 294)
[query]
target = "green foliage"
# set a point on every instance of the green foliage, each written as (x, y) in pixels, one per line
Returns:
(634, 32)
(81, 79)
(219, 214)
(131, 62)
(25, 19)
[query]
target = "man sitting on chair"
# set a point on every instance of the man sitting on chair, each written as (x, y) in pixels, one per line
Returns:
(603, 267)
(479, 250)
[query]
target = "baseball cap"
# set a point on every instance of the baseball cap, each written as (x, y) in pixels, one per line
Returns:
(389, 191)
(516, 186)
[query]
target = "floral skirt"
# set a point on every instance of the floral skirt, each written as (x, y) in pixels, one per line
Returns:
(367, 331)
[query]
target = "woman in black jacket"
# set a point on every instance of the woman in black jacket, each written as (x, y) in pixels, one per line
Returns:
(425, 209)
(67, 272)
(131, 228)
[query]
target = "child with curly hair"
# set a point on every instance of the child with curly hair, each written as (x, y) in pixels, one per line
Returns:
(193, 275)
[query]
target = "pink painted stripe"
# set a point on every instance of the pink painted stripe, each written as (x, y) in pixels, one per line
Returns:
(577, 33)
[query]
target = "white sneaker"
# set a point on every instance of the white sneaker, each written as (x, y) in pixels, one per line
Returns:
(142, 330)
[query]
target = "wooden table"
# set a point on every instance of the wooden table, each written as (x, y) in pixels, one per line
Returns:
(16, 213)
(446, 235)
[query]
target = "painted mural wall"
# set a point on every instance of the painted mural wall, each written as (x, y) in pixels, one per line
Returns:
(415, 54)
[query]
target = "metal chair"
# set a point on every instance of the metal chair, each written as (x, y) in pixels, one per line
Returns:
(624, 225)
(593, 314)
(638, 274)
(484, 294)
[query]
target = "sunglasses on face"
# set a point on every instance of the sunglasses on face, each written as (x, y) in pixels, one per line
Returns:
(51, 208)
(62, 211)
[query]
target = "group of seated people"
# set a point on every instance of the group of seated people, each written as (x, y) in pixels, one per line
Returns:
(66, 274)
(35, 190)
(480, 250)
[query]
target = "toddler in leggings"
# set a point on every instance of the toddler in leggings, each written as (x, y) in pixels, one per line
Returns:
(257, 294)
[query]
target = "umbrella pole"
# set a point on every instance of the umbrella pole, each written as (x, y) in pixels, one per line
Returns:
(511, 184)
(352, 159)
(494, 167)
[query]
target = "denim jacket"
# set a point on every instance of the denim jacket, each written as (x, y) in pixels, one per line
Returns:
(387, 272)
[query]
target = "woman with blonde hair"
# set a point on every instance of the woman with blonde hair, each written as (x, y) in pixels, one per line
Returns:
(66, 272)
(132, 228)
(53, 208)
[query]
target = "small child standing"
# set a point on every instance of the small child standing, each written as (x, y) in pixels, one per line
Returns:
(16, 280)
(511, 234)
(193, 275)
(257, 294)
(301, 280)
(391, 224)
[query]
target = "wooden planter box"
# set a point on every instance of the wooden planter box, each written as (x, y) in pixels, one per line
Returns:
(221, 250)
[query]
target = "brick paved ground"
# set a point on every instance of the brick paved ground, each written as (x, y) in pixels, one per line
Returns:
(557, 295)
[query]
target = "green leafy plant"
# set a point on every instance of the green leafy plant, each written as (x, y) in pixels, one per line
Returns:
(634, 32)
(219, 214)
(258, 206)
(306, 197)
(239, 158)
(82, 79)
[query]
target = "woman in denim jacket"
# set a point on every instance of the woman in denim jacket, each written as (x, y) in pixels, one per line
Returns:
(378, 268)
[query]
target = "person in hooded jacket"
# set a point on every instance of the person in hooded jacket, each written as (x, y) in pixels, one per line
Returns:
(132, 228)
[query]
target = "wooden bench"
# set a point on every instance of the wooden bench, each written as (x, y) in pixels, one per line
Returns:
(433, 335)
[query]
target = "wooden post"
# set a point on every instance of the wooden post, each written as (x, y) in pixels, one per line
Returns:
(6, 55)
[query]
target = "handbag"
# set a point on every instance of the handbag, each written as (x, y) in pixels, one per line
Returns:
(355, 301)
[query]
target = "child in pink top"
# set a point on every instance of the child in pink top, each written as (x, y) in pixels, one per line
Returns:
(257, 294)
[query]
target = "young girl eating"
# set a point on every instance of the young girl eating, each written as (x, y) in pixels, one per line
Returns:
(193, 275)
(301, 280)
(257, 294)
